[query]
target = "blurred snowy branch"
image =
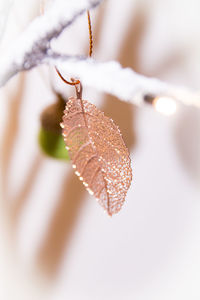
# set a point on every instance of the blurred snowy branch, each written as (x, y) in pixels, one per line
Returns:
(33, 48)
(33, 45)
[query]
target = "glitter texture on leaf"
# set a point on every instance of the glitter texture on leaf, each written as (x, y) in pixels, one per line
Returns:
(98, 153)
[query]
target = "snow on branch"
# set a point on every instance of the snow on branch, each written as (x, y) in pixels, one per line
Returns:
(33, 45)
(33, 48)
(124, 83)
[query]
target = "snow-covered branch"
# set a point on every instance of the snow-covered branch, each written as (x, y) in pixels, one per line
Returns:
(33, 45)
(124, 83)
(33, 48)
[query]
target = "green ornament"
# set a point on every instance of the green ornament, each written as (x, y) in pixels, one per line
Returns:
(50, 136)
(52, 144)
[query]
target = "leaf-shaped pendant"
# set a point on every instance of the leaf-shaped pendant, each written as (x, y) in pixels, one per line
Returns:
(98, 153)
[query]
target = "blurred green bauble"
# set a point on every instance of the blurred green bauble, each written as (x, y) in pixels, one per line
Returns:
(50, 135)
(52, 144)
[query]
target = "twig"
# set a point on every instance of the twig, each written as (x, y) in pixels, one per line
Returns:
(33, 48)
(124, 83)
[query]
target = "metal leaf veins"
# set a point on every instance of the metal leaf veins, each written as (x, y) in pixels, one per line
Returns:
(98, 153)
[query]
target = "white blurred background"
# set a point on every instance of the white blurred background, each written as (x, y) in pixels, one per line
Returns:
(55, 241)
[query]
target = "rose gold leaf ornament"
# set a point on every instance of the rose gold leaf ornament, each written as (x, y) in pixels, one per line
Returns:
(96, 148)
(98, 153)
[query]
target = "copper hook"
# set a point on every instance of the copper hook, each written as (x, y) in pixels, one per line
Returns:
(75, 82)
(66, 81)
